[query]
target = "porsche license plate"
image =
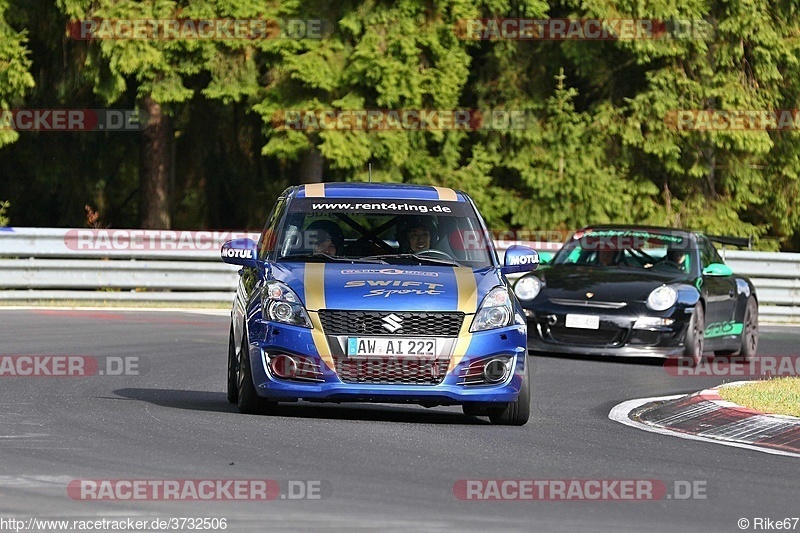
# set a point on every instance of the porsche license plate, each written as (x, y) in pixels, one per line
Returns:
(583, 321)
(381, 346)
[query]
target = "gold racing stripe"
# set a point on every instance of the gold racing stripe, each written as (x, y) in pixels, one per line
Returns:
(315, 190)
(444, 194)
(314, 281)
(467, 304)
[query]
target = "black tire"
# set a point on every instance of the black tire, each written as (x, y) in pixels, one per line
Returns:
(249, 402)
(517, 412)
(695, 336)
(750, 330)
(233, 371)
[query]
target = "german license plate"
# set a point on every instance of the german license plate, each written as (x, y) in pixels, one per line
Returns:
(583, 321)
(371, 346)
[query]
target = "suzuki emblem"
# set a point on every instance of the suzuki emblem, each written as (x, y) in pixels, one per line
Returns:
(392, 323)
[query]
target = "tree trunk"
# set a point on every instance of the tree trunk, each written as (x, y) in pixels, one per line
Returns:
(156, 166)
(311, 166)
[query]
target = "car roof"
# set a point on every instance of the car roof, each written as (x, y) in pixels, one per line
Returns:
(392, 191)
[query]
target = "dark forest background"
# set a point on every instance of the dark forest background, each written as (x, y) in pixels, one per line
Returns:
(599, 150)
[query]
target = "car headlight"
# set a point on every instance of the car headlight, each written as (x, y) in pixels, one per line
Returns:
(494, 312)
(279, 303)
(662, 298)
(528, 288)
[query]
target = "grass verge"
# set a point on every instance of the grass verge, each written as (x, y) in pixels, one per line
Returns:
(780, 396)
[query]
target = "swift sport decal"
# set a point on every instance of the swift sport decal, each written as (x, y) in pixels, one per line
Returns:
(372, 289)
(418, 288)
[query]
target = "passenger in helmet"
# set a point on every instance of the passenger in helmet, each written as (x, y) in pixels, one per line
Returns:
(416, 234)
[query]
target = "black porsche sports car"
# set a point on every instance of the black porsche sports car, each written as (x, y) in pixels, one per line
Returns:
(640, 291)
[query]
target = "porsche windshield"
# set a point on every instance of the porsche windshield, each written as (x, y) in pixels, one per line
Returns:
(627, 248)
(384, 231)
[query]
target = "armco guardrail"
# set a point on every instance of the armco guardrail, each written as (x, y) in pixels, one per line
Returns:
(47, 264)
(54, 264)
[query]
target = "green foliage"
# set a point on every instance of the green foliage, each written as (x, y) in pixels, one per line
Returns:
(3, 213)
(15, 64)
(598, 144)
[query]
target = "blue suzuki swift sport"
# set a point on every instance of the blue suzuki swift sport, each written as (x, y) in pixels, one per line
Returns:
(383, 293)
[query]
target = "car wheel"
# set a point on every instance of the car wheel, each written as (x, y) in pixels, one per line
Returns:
(233, 371)
(249, 402)
(517, 412)
(750, 330)
(695, 336)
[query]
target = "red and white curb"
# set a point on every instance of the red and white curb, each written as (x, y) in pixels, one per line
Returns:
(706, 417)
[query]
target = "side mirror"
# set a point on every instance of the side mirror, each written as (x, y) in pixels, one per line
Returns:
(520, 259)
(242, 252)
(546, 257)
(717, 269)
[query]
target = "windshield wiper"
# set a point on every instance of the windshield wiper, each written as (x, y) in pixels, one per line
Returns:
(415, 258)
(331, 258)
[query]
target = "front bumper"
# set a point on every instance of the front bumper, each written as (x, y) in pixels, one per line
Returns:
(615, 335)
(268, 338)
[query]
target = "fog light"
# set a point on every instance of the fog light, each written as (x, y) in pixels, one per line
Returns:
(495, 371)
(649, 322)
(283, 366)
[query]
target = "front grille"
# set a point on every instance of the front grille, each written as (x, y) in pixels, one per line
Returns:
(391, 370)
(587, 337)
(372, 323)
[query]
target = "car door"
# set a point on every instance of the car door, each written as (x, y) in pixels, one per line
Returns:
(719, 291)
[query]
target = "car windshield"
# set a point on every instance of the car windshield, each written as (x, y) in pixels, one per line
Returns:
(383, 231)
(666, 251)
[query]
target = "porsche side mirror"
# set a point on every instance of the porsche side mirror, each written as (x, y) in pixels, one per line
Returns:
(717, 269)
(242, 252)
(546, 257)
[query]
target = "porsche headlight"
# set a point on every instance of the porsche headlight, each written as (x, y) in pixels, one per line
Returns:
(494, 312)
(528, 288)
(662, 298)
(279, 303)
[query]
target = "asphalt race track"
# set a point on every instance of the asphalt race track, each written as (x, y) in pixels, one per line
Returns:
(376, 467)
